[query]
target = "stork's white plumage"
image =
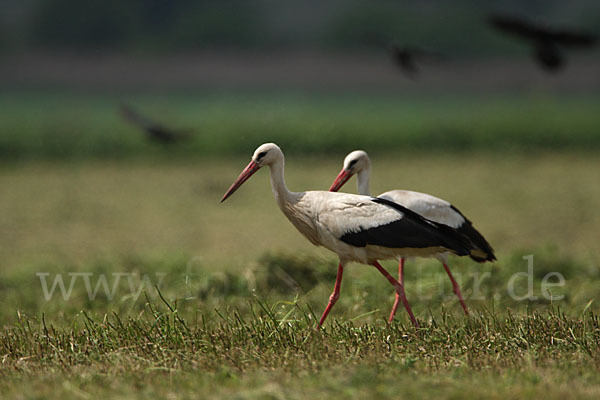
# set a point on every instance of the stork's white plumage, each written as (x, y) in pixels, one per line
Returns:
(428, 206)
(355, 227)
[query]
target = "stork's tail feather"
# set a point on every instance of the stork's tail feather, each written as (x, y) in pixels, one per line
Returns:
(480, 249)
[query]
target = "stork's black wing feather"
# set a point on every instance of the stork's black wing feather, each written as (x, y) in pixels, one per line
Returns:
(410, 231)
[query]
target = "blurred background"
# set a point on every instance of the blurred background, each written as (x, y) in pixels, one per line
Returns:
(313, 76)
(87, 186)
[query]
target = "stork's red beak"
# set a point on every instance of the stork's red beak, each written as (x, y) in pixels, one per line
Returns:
(342, 178)
(244, 176)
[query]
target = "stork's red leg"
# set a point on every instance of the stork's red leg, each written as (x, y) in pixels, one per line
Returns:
(456, 289)
(399, 289)
(401, 280)
(334, 296)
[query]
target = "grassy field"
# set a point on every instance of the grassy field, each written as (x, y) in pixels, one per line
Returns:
(77, 125)
(164, 221)
(169, 293)
(266, 356)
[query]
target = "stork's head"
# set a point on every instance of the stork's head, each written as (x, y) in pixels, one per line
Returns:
(354, 163)
(265, 154)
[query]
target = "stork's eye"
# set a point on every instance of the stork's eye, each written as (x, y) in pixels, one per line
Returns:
(352, 164)
(261, 155)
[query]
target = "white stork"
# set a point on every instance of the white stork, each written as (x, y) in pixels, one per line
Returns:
(430, 207)
(357, 228)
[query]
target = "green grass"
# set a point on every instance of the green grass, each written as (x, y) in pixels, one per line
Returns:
(246, 300)
(76, 125)
(240, 290)
(146, 219)
(77, 213)
(269, 354)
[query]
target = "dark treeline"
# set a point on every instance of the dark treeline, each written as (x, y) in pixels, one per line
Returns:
(179, 25)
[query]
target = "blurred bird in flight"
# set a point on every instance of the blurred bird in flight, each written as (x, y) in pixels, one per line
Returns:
(410, 58)
(153, 130)
(549, 43)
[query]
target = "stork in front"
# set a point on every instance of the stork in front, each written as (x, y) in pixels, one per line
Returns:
(432, 208)
(357, 228)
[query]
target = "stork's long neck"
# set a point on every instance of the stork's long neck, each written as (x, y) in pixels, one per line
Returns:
(362, 180)
(280, 190)
(300, 213)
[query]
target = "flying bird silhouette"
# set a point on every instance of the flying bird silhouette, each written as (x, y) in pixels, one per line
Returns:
(154, 131)
(548, 42)
(409, 58)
